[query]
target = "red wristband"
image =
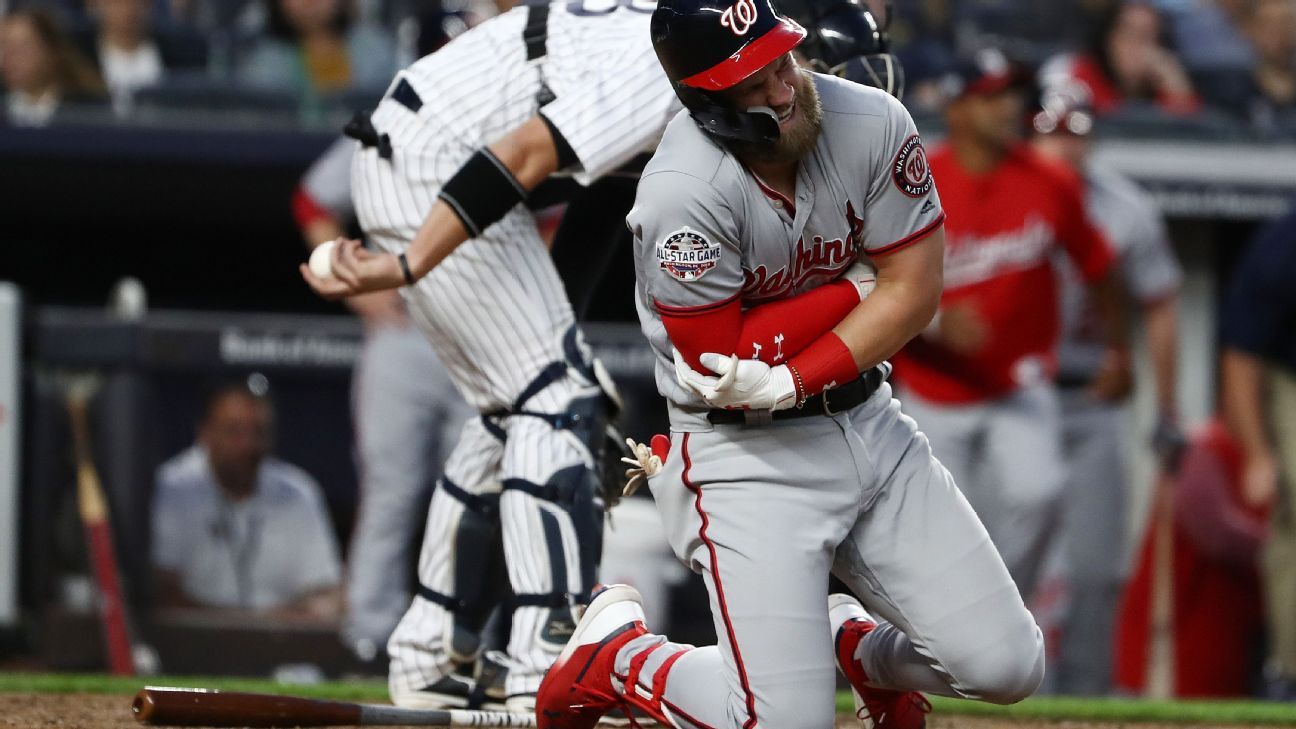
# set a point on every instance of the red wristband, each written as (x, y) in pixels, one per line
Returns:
(823, 365)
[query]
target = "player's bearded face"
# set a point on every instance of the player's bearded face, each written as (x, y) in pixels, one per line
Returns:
(790, 92)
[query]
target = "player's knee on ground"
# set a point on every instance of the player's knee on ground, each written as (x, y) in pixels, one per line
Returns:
(1008, 672)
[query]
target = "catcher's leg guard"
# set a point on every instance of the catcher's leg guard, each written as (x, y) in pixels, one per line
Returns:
(460, 571)
(477, 565)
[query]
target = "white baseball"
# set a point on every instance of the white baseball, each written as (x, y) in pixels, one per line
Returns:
(321, 260)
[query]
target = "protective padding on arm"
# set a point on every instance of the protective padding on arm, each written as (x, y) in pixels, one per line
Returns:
(725, 328)
(825, 364)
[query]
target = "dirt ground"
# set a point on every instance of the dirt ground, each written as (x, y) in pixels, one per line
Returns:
(80, 711)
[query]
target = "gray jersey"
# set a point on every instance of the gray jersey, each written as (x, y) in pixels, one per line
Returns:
(708, 231)
(1149, 270)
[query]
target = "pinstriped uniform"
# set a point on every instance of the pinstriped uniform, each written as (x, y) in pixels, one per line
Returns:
(495, 310)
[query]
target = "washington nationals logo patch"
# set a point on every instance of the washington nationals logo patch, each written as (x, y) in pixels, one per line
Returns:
(739, 16)
(687, 254)
(910, 170)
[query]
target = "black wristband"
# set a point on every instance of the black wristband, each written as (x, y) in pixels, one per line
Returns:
(482, 192)
(405, 269)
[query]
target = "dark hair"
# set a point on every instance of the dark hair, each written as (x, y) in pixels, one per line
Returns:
(1106, 22)
(73, 73)
(253, 386)
(279, 27)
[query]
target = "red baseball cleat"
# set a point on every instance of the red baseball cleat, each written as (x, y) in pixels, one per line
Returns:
(878, 708)
(578, 689)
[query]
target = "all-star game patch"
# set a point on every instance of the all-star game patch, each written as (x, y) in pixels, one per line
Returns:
(910, 171)
(687, 254)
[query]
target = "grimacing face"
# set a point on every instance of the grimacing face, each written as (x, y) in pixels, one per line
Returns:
(789, 92)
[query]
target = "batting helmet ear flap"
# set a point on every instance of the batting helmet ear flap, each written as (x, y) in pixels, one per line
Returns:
(758, 124)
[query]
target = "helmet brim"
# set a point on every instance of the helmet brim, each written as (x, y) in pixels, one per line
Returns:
(749, 59)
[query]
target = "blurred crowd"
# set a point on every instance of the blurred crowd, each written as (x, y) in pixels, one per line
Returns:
(1231, 62)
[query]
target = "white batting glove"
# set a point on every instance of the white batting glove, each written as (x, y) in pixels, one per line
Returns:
(863, 274)
(644, 465)
(743, 384)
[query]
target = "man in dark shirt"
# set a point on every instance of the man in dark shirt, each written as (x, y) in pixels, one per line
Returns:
(1259, 398)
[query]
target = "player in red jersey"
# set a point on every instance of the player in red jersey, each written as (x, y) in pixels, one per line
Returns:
(980, 377)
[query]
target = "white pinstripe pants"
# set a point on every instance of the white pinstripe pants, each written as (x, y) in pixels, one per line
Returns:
(495, 311)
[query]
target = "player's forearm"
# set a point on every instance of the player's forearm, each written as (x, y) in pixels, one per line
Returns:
(1242, 376)
(770, 332)
(1161, 324)
(893, 314)
(481, 193)
(909, 284)
(1109, 297)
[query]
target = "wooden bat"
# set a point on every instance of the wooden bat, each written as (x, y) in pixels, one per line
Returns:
(93, 508)
(159, 705)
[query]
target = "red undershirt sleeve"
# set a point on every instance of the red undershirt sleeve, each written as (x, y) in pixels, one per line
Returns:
(770, 332)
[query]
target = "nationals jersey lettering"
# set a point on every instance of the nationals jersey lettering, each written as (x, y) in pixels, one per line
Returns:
(970, 258)
(768, 247)
(820, 258)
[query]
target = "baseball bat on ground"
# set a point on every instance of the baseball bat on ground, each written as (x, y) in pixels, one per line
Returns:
(161, 706)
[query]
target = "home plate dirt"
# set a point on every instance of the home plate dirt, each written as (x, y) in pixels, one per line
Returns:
(96, 711)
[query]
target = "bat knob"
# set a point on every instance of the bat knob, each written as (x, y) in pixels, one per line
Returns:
(142, 707)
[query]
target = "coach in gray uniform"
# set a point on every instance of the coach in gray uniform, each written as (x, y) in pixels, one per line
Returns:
(1093, 537)
(788, 456)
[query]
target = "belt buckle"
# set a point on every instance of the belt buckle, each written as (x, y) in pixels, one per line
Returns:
(827, 409)
(758, 417)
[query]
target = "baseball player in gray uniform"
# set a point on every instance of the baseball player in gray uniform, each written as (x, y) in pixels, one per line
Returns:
(404, 426)
(1093, 539)
(788, 457)
(458, 141)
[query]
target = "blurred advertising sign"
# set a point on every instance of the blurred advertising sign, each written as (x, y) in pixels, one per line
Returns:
(10, 329)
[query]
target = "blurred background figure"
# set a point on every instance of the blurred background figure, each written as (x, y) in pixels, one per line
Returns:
(132, 52)
(1210, 35)
(1128, 59)
(1263, 92)
(234, 527)
(980, 379)
(406, 415)
(316, 47)
(1259, 397)
(1093, 391)
(42, 70)
(1216, 612)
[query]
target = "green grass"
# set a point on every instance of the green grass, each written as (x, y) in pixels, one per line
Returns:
(1056, 708)
(87, 683)
(1046, 708)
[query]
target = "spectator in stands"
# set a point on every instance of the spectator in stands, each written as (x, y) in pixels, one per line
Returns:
(234, 527)
(1271, 91)
(1210, 34)
(41, 69)
(314, 48)
(1259, 387)
(1203, 549)
(1093, 534)
(131, 53)
(1128, 60)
